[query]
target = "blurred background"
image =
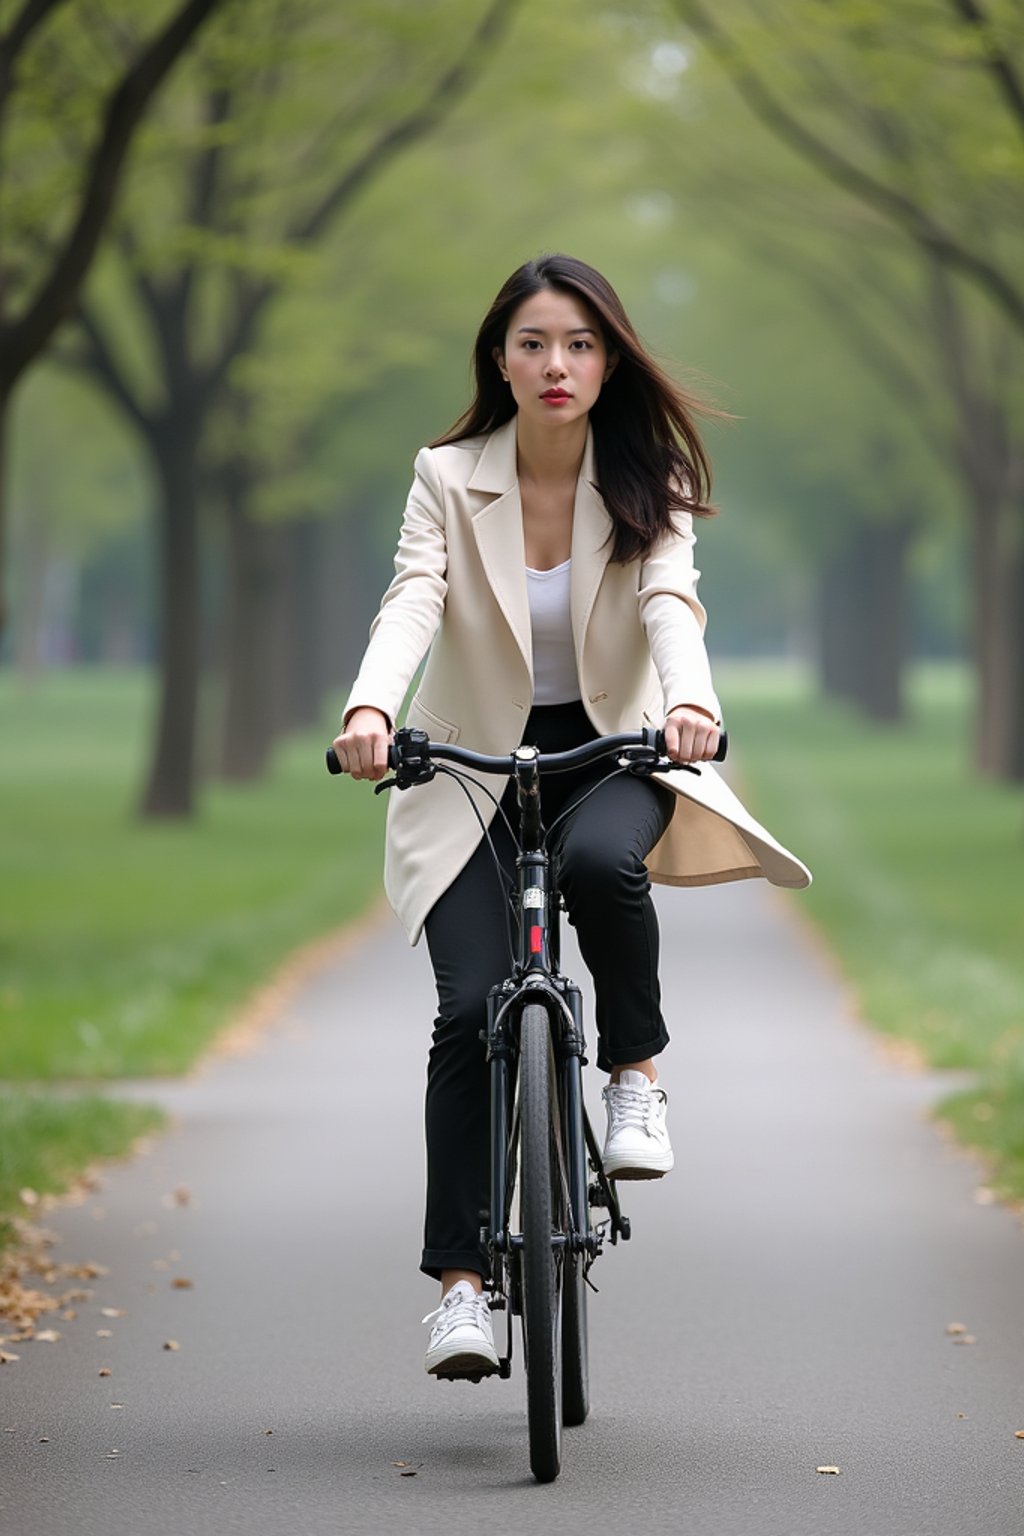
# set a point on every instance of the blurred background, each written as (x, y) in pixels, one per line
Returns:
(244, 250)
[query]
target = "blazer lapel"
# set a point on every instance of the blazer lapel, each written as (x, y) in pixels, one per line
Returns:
(591, 546)
(498, 529)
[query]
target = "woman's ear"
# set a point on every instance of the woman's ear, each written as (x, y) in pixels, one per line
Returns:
(610, 366)
(499, 358)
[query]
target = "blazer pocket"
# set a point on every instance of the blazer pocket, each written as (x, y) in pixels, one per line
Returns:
(436, 728)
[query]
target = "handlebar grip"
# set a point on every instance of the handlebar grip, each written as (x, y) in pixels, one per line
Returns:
(719, 757)
(333, 766)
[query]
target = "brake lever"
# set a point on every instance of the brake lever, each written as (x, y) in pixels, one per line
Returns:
(643, 768)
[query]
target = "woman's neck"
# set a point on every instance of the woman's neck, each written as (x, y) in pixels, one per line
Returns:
(552, 455)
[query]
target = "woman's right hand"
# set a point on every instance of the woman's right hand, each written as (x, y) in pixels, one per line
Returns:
(362, 746)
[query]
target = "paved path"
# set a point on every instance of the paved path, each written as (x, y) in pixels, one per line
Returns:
(783, 1305)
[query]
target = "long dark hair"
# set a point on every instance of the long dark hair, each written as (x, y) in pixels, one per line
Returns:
(649, 456)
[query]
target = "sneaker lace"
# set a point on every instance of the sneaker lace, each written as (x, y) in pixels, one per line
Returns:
(460, 1309)
(629, 1107)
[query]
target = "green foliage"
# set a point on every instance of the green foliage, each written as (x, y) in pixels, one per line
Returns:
(130, 944)
(592, 129)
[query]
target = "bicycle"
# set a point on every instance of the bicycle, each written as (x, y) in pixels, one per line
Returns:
(546, 1173)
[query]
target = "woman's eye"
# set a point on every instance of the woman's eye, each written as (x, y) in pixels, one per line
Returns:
(582, 343)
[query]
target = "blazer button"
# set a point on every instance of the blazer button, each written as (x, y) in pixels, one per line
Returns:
(595, 698)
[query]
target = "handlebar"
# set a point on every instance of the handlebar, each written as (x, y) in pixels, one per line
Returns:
(411, 753)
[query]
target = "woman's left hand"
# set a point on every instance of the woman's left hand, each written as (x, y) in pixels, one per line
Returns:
(691, 735)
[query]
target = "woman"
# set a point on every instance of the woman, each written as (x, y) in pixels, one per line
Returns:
(546, 562)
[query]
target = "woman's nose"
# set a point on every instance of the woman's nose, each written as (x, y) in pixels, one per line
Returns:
(555, 363)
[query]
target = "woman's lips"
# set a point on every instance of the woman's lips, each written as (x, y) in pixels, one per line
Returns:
(556, 397)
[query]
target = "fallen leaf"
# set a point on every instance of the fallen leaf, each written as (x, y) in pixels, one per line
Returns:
(834, 1470)
(1018, 1434)
(70, 1315)
(44, 1440)
(407, 1474)
(399, 1463)
(179, 1196)
(179, 1283)
(113, 1312)
(955, 1328)
(984, 1196)
(28, 1197)
(5, 1358)
(106, 1371)
(172, 1344)
(965, 1338)
(48, 1336)
(961, 1415)
(117, 1405)
(104, 1333)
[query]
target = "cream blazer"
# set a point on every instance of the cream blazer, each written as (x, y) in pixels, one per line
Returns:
(459, 591)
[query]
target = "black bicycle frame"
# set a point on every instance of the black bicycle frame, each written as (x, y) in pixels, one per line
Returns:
(536, 977)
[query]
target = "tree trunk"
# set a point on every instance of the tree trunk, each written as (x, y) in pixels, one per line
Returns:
(300, 698)
(842, 598)
(881, 694)
(862, 618)
(170, 784)
(254, 574)
(999, 641)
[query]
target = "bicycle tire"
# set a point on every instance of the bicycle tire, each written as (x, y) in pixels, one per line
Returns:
(575, 1342)
(541, 1268)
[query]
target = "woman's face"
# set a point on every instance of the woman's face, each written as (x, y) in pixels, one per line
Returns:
(554, 357)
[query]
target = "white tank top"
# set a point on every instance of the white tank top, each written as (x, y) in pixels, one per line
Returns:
(555, 677)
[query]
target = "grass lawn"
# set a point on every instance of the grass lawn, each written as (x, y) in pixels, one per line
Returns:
(125, 945)
(919, 875)
(45, 1141)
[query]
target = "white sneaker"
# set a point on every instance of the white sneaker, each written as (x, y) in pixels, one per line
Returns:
(461, 1340)
(637, 1144)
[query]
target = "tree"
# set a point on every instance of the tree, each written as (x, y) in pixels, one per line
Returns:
(279, 152)
(42, 273)
(864, 94)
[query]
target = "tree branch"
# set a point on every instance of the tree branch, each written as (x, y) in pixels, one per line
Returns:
(252, 297)
(997, 63)
(97, 359)
(21, 341)
(447, 90)
(897, 207)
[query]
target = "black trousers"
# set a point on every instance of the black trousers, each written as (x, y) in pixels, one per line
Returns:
(599, 851)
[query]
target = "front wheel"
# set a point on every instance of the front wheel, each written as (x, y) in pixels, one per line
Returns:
(575, 1372)
(541, 1266)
